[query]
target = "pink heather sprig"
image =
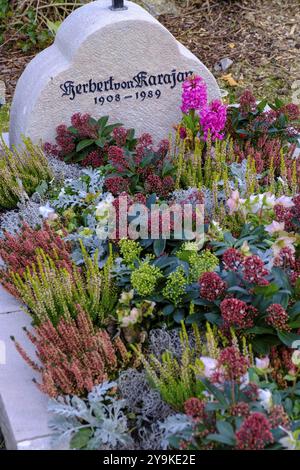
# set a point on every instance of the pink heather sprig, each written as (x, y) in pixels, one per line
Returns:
(213, 120)
(194, 95)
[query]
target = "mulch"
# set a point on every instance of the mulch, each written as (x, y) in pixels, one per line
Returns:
(261, 37)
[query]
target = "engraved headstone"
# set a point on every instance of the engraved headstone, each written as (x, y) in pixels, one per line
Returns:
(124, 64)
(2, 93)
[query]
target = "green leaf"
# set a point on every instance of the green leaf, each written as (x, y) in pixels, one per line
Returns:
(108, 129)
(288, 338)
(73, 130)
(221, 438)
(159, 246)
(100, 142)
(168, 309)
(262, 344)
(102, 122)
(225, 428)
(83, 144)
(179, 315)
(266, 291)
(260, 330)
(80, 439)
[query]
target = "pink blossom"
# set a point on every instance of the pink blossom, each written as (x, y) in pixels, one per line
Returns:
(213, 120)
(194, 96)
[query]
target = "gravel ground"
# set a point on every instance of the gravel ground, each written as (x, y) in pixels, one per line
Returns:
(261, 37)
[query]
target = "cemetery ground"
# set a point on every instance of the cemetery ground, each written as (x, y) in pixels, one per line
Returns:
(260, 37)
(150, 228)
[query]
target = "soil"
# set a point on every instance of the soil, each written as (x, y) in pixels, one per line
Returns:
(261, 37)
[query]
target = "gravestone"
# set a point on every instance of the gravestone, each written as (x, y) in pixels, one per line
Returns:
(2, 93)
(124, 64)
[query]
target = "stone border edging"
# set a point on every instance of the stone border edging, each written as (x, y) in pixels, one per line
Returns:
(23, 408)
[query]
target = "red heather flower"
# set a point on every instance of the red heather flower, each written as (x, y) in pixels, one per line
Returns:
(247, 102)
(254, 270)
(235, 312)
(75, 356)
(117, 185)
(82, 122)
(120, 135)
(240, 409)
(211, 286)
(93, 159)
(195, 408)
(232, 259)
(254, 433)
(277, 317)
(194, 95)
(20, 250)
(213, 120)
(232, 363)
(117, 158)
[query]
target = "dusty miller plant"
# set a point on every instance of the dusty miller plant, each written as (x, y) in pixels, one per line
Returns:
(97, 422)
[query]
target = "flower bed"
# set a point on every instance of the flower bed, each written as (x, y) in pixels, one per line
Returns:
(163, 280)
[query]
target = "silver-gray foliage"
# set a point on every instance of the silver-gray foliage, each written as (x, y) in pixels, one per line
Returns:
(100, 413)
(179, 425)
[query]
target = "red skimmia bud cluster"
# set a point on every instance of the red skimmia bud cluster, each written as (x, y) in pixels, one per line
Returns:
(277, 317)
(232, 259)
(254, 433)
(94, 159)
(195, 408)
(237, 313)
(211, 286)
(231, 365)
(254, 271)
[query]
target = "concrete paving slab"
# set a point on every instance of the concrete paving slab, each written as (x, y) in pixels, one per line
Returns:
(8, 303)
(23, 408)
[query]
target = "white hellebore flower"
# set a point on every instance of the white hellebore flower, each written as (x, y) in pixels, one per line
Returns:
(265, 398)
(131, 319)
(262, 363)
(285, 201)
(285, 241)
(260, 201)
(274, 227)
(210, 365)
(47, 212)
(289, 442)
(234, 201)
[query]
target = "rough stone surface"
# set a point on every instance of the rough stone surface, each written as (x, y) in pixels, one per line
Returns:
(2, 93)
(159, 7)
(100, 52)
